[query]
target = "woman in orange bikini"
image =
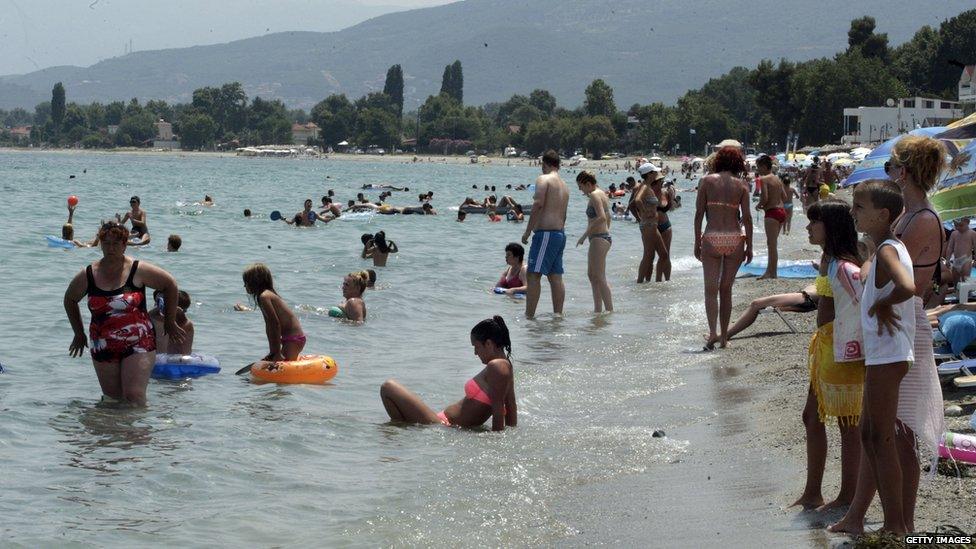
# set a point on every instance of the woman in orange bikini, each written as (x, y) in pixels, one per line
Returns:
(724, 199)
(489, 394)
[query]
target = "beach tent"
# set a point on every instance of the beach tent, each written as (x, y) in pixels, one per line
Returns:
(955, 194)
(872, 167)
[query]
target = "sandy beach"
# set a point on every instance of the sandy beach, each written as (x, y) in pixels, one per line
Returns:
(742, 411)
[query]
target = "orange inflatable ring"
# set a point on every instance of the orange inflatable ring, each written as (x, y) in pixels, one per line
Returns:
(619, 193)
(310, 369)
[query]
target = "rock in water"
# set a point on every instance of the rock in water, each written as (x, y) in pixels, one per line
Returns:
(658, 434)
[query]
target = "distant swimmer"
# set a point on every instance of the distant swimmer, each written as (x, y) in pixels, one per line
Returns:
(515, 274)
(68, 231)
(173, 243)
(547, 222)
(383, 186)
(378, 248)
(516, 215)
(353, 307)
(425, 209)
(461, 216)
(208, 201)
(139, 235)
(306, 217)
(285, 336)
(329, 207)
(490, 394)
(123, 344)
(247, 213)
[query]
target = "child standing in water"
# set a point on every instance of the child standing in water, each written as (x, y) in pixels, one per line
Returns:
(888, 322)
(285, 337)
(836, 358)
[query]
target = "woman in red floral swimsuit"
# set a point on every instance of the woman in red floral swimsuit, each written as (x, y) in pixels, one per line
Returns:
(123, 345)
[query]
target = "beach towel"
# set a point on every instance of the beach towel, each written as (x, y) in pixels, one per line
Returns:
(959, 329)
(837, 385)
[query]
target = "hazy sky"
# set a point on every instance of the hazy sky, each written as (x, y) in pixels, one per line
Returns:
(36, 34)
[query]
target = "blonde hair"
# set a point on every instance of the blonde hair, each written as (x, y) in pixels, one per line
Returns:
(923, 157)
(257, 278)
(361, 278)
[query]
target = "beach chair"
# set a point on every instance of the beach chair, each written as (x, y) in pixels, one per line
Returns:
(789, 324)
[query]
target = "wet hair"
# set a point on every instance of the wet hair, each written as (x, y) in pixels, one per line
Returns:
(586, 177)
(516, 249)
(308, 201)
(331, 192)
(884, 194)
(631, 180)
(509, 186)
(247, 212)
(421, 197)
(840, 240)
(184, 301)
(174, 242)
(326, 200)
(493, 329)
(372, 277)
(474, 187)
(365, 238)
(361, 278)
(67, 232)
(351, 203)
(550, 158)
(462, 214)
(923, 157)
(207, 197)
(257, 279)
(379, 239)
(728, 159)
(492, 188)
(518, 208)
(113, 228)
(135, 199)
(765, 161)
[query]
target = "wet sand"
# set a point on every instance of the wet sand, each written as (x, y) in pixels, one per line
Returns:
(746, 460)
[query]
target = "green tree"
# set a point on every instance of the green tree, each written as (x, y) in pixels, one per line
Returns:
(540, 136)
(543, 100)
(376, 127)
(773, 86)
(57, 104)
(160, 109)
(393, 87)
(336, 118)
(197, 131)
(914, 61)
(598, 135)
(956, 46)
(114, 112)
(42, 113)
(861, 29)
(599, 99)
(74, 122)
(452, 82)
(653, 123)
(136, 130)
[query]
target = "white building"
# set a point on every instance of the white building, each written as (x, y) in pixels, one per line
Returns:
(876, 124)
(967, 84)
(302, 133)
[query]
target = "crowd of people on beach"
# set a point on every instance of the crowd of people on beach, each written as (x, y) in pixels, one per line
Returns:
(871, 360)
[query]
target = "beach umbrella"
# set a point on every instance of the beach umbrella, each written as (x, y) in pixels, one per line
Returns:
(872, 167)
(832, 157)
(845, 161)
(955, 194)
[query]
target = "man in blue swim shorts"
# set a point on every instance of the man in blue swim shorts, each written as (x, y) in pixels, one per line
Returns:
(547, 221)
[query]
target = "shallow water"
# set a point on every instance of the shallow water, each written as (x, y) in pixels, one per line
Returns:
(220, 460)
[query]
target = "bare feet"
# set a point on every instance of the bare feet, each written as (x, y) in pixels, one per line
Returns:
(836, 504)
(767, 276)
(808, 502)
(847, 526)
(710, 341)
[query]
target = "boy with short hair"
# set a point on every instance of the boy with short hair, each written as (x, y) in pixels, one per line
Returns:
(174, 243)
(163, 344)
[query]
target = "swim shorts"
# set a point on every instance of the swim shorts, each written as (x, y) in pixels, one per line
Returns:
(546, 253)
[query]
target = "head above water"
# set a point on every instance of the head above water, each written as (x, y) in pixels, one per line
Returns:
(516, 249)
(247, 212)
(494, 330)
(135, 201)
(372, 278)
(173, 243)
(379, 239)
(257, 278)
(356, 283)
(67, 231)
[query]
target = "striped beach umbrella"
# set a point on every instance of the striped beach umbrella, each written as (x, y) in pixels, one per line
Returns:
(955, 194)
(872, 167)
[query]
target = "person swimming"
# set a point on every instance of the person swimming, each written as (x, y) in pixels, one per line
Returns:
(515, 274)
(353, 307)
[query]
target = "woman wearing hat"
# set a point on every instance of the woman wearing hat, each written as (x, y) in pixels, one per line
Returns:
(645, 205)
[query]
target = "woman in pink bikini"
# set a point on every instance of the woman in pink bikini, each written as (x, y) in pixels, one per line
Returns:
(489, 394)
(285, 337)
(724, 199)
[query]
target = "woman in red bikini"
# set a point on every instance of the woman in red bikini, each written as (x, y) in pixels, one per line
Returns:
(513, 277)
(489, 394)
(724, 199)
(771, 201)
(123, 342)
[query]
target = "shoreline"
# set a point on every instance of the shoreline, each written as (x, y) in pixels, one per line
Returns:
(747, 456)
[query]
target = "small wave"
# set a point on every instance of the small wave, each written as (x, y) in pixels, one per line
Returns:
(685, 263)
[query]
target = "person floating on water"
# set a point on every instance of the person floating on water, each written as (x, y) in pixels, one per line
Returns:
(353, 307)
(123, 343)
(285, 336)
(490, 394)
(547, 222)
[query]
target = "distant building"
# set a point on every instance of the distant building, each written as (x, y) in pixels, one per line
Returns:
(967, 84)
(164, 130)
(20, 133)
(876, 124)
(301, 133)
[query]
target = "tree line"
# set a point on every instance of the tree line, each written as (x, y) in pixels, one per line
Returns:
(760, 105)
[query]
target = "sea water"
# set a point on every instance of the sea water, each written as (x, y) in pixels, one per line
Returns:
(219, 460)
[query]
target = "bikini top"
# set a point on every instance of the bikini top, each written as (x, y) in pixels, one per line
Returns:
(935, 263)
(514, 281)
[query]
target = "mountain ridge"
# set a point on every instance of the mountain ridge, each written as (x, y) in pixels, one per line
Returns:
(646, 53)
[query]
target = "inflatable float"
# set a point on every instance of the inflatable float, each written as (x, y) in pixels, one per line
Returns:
(501, 291)
(170, 366)
(501, 210)
(56, 242)
(785, 269)
(958, 447)
(308, 369)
